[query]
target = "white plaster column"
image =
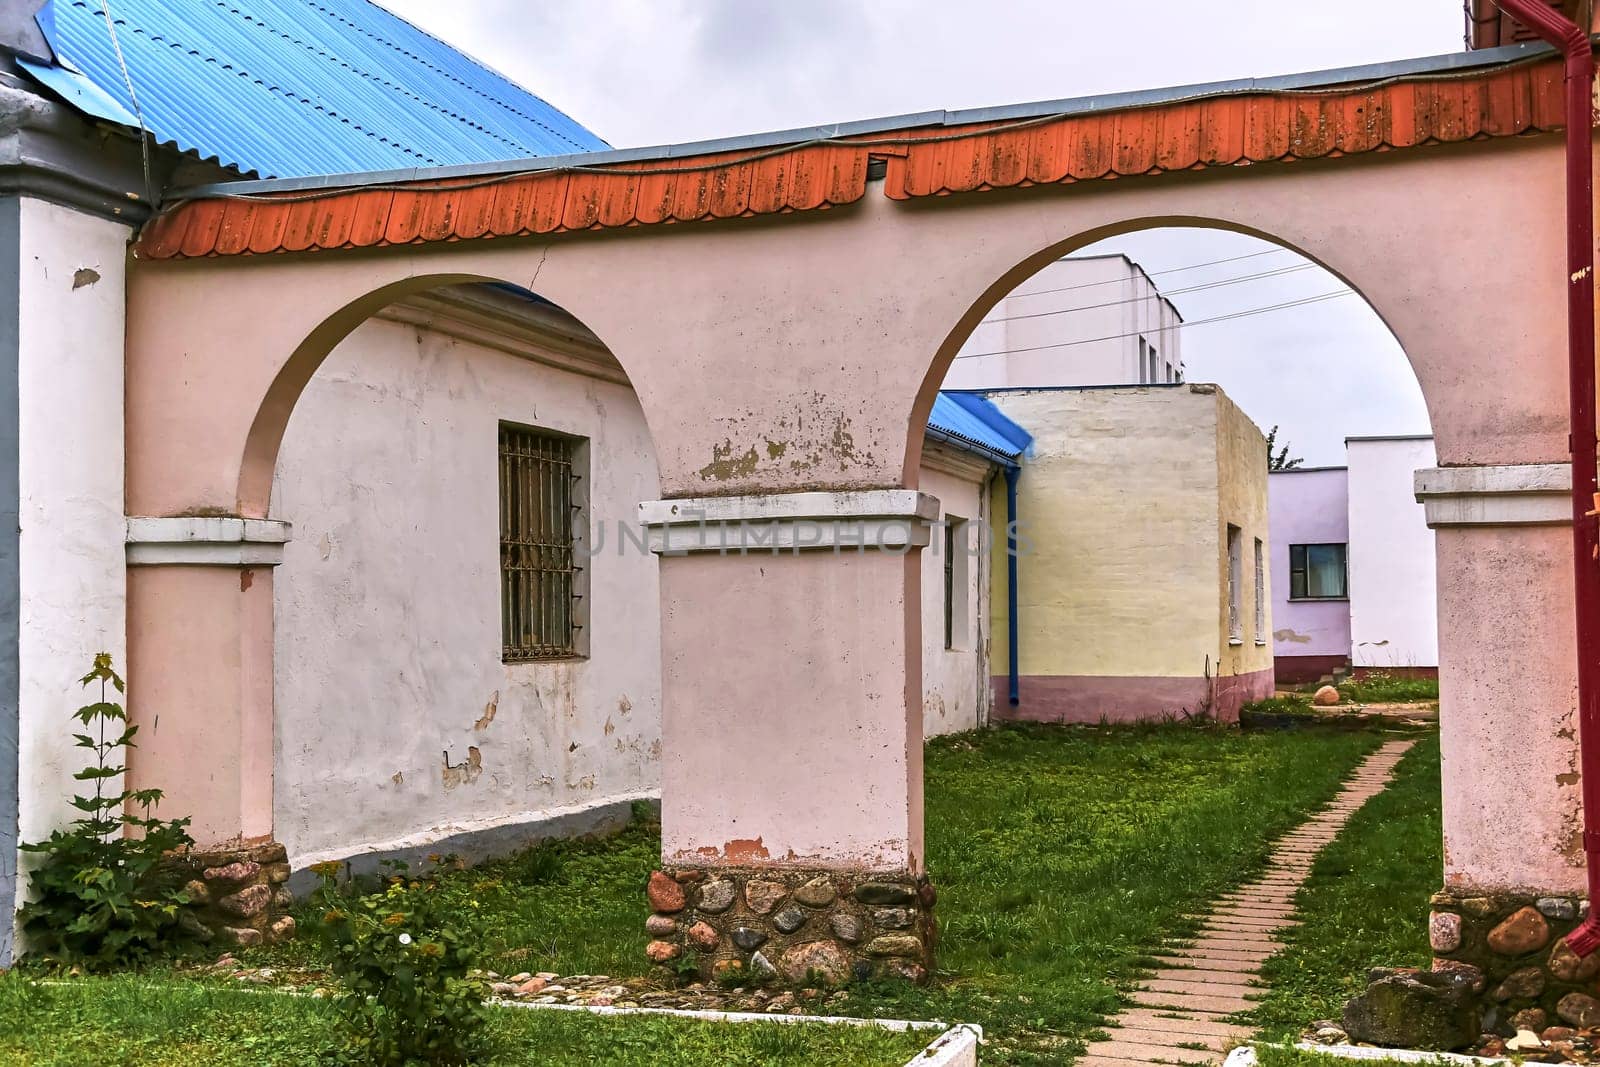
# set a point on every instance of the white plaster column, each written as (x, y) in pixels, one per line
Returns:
(1507, 680)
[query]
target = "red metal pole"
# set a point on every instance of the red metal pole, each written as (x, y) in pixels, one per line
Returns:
(1573, 41)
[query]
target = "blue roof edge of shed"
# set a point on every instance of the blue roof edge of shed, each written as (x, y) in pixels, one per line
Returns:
(974, 424)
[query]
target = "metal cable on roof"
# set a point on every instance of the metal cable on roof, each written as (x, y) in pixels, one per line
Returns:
(138, 113)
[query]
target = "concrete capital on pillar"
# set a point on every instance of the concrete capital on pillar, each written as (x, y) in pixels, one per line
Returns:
(1531, 494)
(892, 519)
(206, 542)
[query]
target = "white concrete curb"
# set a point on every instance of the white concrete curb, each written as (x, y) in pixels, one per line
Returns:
(1245, 1055)
(956, 1046)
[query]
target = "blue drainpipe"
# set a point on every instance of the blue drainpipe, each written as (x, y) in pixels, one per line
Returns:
(1012, 473)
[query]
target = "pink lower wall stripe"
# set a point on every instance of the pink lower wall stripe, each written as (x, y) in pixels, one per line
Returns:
(1093, 698)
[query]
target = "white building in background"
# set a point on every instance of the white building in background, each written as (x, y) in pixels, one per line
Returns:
(1353, 562)
(1394, 617)
(1088, 320)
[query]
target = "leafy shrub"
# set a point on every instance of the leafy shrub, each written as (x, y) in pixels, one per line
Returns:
(103, 896)
(404, 967)
(1381, 687)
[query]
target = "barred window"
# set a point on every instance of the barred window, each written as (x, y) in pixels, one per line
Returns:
(538, 573)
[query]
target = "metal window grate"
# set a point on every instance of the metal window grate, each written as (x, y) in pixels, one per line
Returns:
(537, 571)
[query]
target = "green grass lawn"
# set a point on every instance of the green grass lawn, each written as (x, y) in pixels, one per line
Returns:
(1365, 903)
(1060, 855)
(132, 1019)
(1380, 687)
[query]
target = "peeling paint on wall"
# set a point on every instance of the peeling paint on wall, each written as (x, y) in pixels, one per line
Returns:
(84, 276)
(725, 465)
(465, 772)
(489, 711)
(1292, 636)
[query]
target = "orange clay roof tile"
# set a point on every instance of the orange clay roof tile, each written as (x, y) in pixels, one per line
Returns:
(1219, 131)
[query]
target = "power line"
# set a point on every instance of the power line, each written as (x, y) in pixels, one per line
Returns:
(1182, 325)
(1200, 287)
(1151, 273)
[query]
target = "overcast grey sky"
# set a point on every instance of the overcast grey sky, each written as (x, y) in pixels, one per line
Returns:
(642, 72)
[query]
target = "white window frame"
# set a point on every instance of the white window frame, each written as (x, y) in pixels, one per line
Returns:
(1235, 579)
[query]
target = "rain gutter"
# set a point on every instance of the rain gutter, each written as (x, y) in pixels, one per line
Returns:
(1573, 42)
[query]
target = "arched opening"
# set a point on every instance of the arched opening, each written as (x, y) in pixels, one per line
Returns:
(466, 646)
(1150, 363)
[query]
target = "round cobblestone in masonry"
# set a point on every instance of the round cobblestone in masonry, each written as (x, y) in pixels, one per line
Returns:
(846, 926)
(892, 918)
(762, 895)
(703, 937)
(820, 962)
(1533, 1019)
(1471, 972)
(884, 893)
(762, 967)
(1566, 966)
(895, 945)
(1525, 982)
(247, 903)
(748, 938)
(1444, 931)
(1558, 908)
(717, 896)
(661, 926)
(1579, 1009)
(789, 919)
(817, 893)
(662, 951)
(199, 892)
(665, 894)
(283, 929)
(1521, 932)
(239, 871)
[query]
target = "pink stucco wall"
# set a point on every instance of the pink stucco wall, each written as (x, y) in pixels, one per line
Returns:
(804, 353)
(1307, 507)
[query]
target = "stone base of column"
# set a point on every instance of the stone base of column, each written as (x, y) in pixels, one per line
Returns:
(793, 928)
(1511, 949)
(238, 896)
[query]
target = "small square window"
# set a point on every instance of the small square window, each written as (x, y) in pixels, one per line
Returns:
(1318, 572)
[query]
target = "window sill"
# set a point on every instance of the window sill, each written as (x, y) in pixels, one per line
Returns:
(1235, 642)
(1261, 644)
(1319, 599)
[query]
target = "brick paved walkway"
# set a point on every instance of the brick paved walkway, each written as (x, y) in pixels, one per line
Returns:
(1180, 1013)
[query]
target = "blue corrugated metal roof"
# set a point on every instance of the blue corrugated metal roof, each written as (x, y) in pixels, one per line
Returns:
(975, 420)
(293, 88)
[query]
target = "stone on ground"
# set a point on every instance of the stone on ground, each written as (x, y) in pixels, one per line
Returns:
(1433, 1010)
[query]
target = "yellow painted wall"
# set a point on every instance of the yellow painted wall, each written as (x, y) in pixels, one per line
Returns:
(1123, 563)
(1242, 502)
